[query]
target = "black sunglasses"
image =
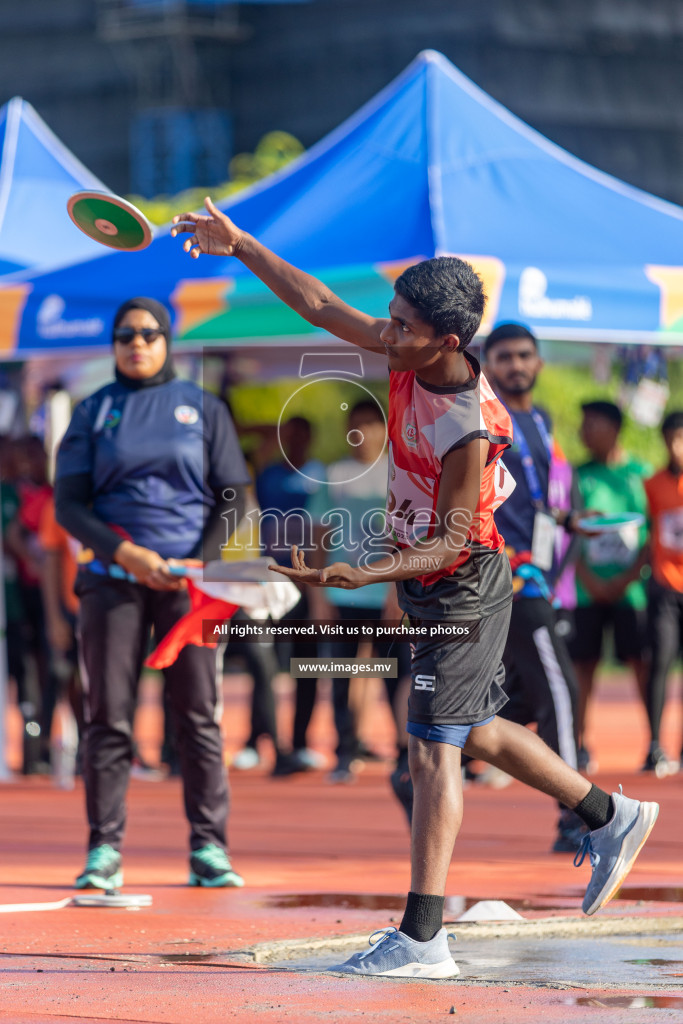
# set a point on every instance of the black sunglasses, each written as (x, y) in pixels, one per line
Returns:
(126, 334)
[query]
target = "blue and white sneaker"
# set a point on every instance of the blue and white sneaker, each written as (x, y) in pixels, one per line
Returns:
(614, 847)
(393, 954)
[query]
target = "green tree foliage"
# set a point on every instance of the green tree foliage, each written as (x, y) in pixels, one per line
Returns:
(324, 403)
(561, 389)
(274, 151)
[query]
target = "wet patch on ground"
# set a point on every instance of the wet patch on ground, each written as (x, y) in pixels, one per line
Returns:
(656, 893)
(630, 1002)
(337, 900)
(633, 962)
(453, 906)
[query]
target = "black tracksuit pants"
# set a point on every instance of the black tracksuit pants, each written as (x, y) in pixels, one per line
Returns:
(539, 677)
(115, 621)
(665, 635)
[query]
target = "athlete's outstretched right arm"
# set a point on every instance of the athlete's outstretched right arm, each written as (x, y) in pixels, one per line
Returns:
(215, 234)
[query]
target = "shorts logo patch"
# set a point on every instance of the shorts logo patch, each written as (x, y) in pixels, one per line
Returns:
(186, 414)
(425, 683)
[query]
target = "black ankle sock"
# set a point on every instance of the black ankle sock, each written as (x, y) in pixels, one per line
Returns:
(423, 916)
(596, 808)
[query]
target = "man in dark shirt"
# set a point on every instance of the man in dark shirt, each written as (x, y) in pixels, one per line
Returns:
(534, 521)
(284, 492)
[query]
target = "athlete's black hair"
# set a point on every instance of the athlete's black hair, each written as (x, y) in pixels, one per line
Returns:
(447, 294)
(672, 421)
(608, 411)
(503, 332)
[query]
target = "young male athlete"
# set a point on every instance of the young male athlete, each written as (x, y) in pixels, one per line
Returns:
(447, 431)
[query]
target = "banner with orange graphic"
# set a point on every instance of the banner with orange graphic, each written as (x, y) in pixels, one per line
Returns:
(12, 302)
(670, 283)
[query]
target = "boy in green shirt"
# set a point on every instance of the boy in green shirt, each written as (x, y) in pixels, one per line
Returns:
(607, 594)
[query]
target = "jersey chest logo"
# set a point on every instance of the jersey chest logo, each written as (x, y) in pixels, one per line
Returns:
(186, 414)
(410, 435)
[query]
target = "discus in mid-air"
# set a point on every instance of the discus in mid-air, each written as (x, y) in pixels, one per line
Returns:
(110, 220)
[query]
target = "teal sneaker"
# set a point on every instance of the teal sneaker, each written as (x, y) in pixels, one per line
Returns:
(102, 869)
(210, 866)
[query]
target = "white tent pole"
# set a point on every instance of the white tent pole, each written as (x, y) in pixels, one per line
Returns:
(57, 416)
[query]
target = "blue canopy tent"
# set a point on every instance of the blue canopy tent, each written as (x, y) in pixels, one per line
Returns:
(431, 165)
(37, 176)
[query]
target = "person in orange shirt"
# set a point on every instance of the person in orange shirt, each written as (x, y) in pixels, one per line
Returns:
(665, 605)
(59, 568)
(33, 492)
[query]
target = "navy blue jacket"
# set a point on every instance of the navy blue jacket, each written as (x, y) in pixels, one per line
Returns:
(157, 457)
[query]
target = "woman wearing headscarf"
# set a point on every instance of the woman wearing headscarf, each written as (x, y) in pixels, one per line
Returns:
(141, 477)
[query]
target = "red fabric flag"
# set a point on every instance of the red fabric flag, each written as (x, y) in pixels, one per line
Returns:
(188, 630)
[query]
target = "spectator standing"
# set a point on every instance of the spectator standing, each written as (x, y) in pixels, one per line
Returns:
(261, 663)
(28, 697)
(539, 675)
(284, 492)
(142, 477)
(665, 606)
(34, 493)
(608, 598)
(61, 610)
(350, 508)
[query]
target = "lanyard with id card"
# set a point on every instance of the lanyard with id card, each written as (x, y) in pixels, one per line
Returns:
(543, 539)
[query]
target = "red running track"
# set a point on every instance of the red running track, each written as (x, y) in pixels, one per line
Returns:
(309, 852)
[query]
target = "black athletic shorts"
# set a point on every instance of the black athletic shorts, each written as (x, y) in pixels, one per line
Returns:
(457, 671)
(590, 624)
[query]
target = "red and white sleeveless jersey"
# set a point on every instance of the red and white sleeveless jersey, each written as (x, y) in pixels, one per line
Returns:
(426, 422)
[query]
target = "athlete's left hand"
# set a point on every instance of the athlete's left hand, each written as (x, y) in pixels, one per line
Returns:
(339, 574)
